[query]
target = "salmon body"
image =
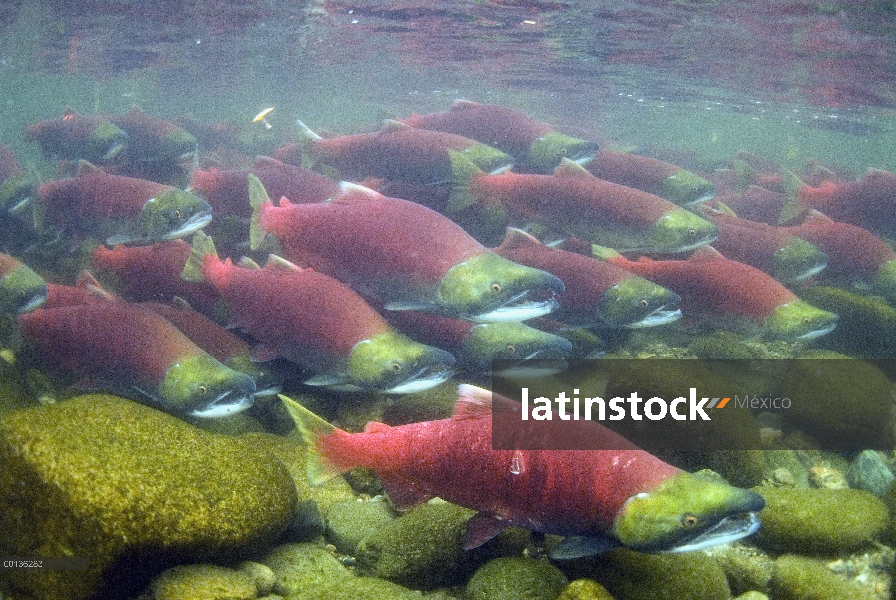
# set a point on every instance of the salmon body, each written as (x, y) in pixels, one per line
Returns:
(137, 352)
(713, 287)
(596, 293)
(318, 323)
(535, 146)
(623, 496)
(76, 136)
(574, 202)
(405, 255)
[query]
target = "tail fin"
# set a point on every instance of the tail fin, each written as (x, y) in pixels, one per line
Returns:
(257, 198)
(203, 245)
(311, 428)
(307, 139)
(792, 207)
(462, 170)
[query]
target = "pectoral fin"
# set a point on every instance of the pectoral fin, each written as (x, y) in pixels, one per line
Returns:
(577, 547)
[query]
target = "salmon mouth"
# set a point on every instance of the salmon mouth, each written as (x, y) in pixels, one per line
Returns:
(661, 316)
(224, 404)
(728, 529)
(424, 379)
(817, 332)
(190, 226)
(518, 308)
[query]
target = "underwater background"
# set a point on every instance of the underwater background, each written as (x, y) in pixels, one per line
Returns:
(175, 507)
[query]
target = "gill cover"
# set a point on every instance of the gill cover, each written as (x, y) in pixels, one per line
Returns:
(394, 363)
(201, 386)
(173, 214)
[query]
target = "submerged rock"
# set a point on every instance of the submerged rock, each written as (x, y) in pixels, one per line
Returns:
(810, 521)
(516, 577)
(205, 582)
(800, 578)
(116, 481)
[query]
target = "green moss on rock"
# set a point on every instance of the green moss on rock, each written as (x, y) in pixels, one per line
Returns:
(800, 578)
(516, 577)
(102, 477)
(585, 589)
(422, 549)
(203, 582)
(810, 520)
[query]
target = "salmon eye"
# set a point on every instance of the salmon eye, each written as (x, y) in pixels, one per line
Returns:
(511, 349)
(396, 367)
(644, 302)
(692, 232)
(496, 288)
(689, 520)
(202, 389)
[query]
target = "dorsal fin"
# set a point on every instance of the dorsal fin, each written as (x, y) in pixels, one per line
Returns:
(723, 209)
(461, 104)
(706, 253)
(570, 168)
(517, 238)
(87, 167)
(472, 402)
(278, 262)
(376, 427)
(391, 125)
(69, 111)
(247, 263)
(180, 302)
(89, 283)
(815, 217)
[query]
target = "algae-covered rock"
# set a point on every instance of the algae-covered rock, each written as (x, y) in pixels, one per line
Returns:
(800, 578)
(844, 403)
(630, 575)
(310, 572)
(104, 478)
(422, 549)
(585, 589)
(516, 577)
(350, 521)
(747, 568)
(203, 582)
(809, 520)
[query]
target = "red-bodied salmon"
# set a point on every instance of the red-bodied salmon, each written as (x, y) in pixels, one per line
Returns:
(597, 293)
(730, 293)
(318, 323)
(601, 498)
(397, 152)
(120, 209)
(574, 202)
(869, 202)
(152, 274)
(402, 254)
(133, 351)
(534, 145)
(779, 251)
(651, 175)
(21, 289)
(74, 136)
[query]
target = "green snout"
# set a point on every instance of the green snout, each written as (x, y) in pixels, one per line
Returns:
(21, 290)
(395, 363)
(174, 214)
(632, 301)
(546, 152)
(679, 231)
(687, 188)
(796, 261)
(509, 341)
(201, 386)
(798, 320)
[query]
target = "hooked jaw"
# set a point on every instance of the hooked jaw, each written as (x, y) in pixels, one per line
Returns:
(681, 231)
(201, 386)
(799, 320)
(636, 303)
(393, 363)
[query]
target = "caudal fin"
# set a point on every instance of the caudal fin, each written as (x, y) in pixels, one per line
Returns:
(312, 428)
(462, 170)
(792, 207)
(257, 198)
(203, 245)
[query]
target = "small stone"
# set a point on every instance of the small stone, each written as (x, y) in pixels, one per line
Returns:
(870, 472)
(264, 577)
(350, 521)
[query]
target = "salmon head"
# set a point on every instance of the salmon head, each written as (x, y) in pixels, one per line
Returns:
(510, 341)
(680, 231)
(201, 386)
(105, 143)
(487, 288)
(171, 215)
(798, 320)
(686, 188)
(394, 363)
(546, 152)
(687, 512)
(637, 302)
(796, 261)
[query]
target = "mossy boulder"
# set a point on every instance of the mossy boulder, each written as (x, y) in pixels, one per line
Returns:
(423, 548)
(350, 521)
(842, 402)
(203, 582)
(818, 521)
(516, 577)
(630, 575)
(801, 578)
(310, 572)
(585, 589)
(116, 481)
